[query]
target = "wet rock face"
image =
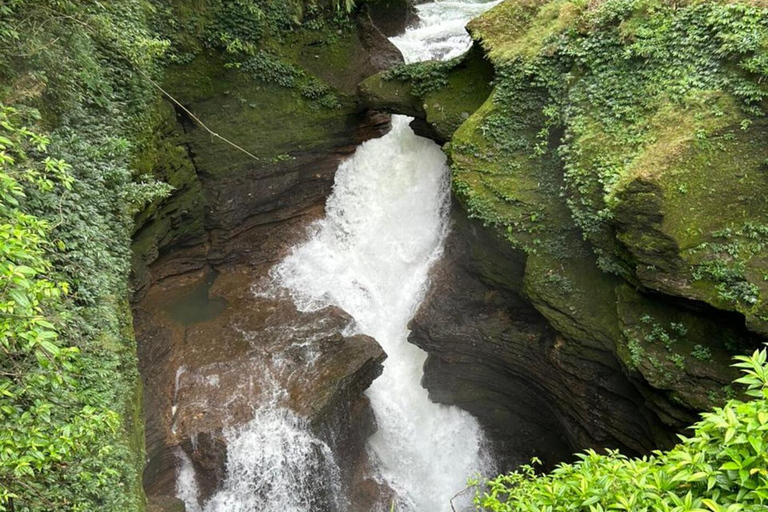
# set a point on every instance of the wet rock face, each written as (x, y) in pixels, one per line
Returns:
(211, 359)
(392, 17)
(165, 504)
(214, 346)
(490, 352)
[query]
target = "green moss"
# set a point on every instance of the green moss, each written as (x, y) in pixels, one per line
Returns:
(523, 28)
(666, 210)
(133, 415)
(396, 96)
(670, 337)
(467, 86)
(443, 93)
(585, 309)
(266, 119)
(513, 188)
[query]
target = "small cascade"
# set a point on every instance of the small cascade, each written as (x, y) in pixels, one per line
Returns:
(384, 227)
(275, 464)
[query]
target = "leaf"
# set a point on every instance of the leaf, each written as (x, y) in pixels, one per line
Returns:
(50, 348)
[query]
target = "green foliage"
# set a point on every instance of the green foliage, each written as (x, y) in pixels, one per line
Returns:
(269, 68)
(48, 421)
(729, 250)
(636, 56)
(240, 26)
(251, 33)
(594, 87)
(723, 467)
(68, 377)
(701, 353)
(424, 77)
(636, 352)
(344, 5)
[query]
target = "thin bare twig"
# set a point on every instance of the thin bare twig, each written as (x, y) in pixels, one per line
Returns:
(460, 493)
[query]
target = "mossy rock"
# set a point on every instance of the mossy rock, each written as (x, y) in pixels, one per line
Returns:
(267, 120)
(180, 218)
(576, 297)
(444, 94)
(522, 28)
(617, 217)
(686, 351)
(508, 188)
(379, 93)
(468, 86)
(692, 211)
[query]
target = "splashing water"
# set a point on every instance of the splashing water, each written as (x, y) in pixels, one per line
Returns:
(275, 464)
(186, 482)
(440, 34)
(384, 227)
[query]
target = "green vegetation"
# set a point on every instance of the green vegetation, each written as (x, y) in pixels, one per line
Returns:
(83, 132)
(71, 434)
(424, 77)
(447, 91)
(702, 353)
(253, 35)
(625, 81)
(647, 107)
(723, 467)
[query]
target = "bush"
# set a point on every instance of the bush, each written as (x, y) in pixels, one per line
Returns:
(723, 467)
(69, 389)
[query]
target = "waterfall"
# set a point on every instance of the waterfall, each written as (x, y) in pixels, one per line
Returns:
(274, 464)
(384, 227)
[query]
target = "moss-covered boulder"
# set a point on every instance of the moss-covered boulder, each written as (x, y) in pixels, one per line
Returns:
(443, 94)
(691, 209)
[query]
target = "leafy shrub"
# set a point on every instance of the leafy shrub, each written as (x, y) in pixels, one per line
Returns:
(723, 467)
(269, 68)
(701, 353)
(68, 377)
(49, 421)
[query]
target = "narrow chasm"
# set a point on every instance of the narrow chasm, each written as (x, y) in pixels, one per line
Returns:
(383, 255)
(397, 280)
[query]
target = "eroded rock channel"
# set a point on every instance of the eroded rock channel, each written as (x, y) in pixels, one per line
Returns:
(234, 362)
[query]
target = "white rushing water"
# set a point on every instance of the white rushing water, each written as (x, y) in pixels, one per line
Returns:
(384, 227)
(274, 462)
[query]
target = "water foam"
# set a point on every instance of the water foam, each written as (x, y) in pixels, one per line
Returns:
(384, 227)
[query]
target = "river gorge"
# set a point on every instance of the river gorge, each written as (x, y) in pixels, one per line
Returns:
(383, 255)
(332, 332)
(374, 255)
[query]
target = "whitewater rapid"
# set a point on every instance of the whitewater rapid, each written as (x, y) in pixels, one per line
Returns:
(370, 255)
(384, 227)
